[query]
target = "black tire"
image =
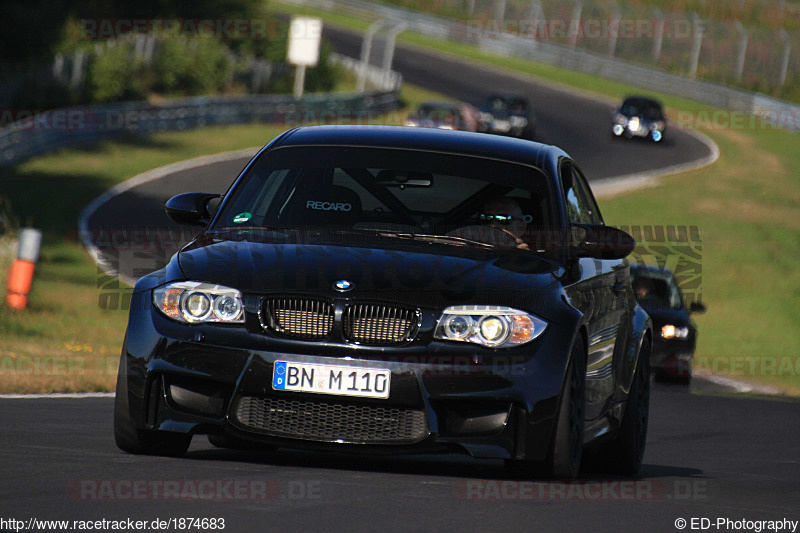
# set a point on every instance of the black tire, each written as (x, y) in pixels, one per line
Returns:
(138, 441)
(162, 443)
(566, 449)
(663, 377)
(624, 454)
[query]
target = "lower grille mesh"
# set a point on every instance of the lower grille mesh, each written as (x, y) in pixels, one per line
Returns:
(332, 421)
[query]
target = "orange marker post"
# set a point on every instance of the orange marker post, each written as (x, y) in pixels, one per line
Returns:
(20, 278)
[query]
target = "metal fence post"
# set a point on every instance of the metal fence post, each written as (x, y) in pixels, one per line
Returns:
(658, 39)
(366, 50)
(696, 45)
(536, 17)
(500, 11)
(77, 69)
(575, 24)
(58, 66)
(613, 29)
(787, 50)
(388, 51)
(742, 50)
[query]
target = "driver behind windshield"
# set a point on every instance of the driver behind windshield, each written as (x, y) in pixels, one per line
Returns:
(505, 215)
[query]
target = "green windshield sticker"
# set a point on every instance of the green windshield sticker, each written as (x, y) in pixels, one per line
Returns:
(242, 217)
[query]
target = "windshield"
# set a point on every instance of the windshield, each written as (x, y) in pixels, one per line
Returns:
(644, 108)
(656, 290)
(392, 193)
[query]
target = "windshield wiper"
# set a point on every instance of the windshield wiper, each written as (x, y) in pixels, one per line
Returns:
(439, 239)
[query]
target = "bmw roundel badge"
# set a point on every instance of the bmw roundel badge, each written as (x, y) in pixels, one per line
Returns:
(342, 285)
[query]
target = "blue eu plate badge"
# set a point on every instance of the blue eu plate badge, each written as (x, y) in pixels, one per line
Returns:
(279, 375)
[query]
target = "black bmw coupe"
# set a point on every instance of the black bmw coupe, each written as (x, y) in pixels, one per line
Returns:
(390, 289)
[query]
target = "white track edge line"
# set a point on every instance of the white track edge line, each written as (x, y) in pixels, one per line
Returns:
(56, 395)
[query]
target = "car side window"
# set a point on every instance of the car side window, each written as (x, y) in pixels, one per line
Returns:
(588, 197)
(675, 300)
(580, 204)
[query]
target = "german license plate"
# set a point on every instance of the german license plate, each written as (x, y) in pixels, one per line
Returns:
(331, 379)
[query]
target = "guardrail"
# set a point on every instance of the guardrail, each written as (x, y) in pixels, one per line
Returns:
(773, 111)
(376, 76)
(58, 128)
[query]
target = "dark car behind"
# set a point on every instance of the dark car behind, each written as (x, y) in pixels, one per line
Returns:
(675, 336)
(511, 115)
(444, 116)
(639, 117)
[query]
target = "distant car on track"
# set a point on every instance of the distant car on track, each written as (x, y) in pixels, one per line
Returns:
(444, 116)
(639, 117)
(508, 114)
(390, 289)
(675, 336)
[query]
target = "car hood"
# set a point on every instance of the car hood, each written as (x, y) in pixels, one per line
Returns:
(445, 275)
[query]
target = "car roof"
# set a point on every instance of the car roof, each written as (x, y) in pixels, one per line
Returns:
(433, 103)
(424, 139)
(506, 96)
(642, 100)
(655, 269)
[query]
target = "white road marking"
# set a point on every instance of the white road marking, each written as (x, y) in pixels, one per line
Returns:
(145, 177)
(56, 395)
(738, 386)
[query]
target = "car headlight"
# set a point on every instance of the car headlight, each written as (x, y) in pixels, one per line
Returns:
(194, 302)
(633, 123)
(492, 326)
(501, 125)
(671, 332)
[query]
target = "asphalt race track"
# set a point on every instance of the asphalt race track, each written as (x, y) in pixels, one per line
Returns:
(707, 456)
(710, 454)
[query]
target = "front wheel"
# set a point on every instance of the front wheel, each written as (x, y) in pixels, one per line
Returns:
(624, 454)
(566, 450)
(139, 441)
(148, 442)
(566, 447)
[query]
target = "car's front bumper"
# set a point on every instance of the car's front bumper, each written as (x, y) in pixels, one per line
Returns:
(453, 396)
(636, 129)
(673, 357)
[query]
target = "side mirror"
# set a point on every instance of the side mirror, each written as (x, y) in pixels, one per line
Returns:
(601, 242)
(697, 307)
(190, 208)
